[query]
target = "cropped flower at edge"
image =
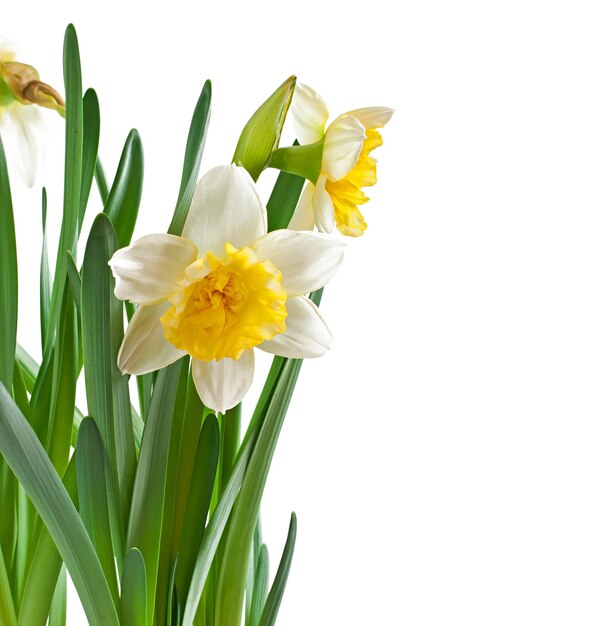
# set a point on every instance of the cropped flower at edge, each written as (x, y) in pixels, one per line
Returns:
(223, 288)
(346, 164)
(21, 94)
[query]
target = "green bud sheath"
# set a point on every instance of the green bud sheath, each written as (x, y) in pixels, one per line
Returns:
(261, 134)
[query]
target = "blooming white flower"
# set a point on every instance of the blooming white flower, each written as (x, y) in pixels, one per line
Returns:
(21, 95)
(223, 288)
(346, 165)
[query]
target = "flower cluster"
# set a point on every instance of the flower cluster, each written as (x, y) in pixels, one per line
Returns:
(227, 286)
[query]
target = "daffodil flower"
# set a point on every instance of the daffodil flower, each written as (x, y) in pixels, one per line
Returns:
(21, 93)
(224, 287)
(346, 164)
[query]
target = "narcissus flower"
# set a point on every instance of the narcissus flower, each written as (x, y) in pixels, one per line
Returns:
(20, 89)
(346, 165)
(223, 288)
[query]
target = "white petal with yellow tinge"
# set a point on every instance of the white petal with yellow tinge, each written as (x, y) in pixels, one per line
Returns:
(306, 336)
(225, 209)
(145, 348)
(309, 112)
(306, 260)
(150, 269)
(222, 384)
(344, 140)
(373, 117)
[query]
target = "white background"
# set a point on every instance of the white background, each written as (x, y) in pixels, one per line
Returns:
(452, 460)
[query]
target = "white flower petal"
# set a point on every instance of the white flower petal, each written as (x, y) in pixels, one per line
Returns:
(373, 117)
(306, 335)
(150, 268)
(306, 260)
(145, 348)
(225, 208)
(303, 218)
(309, 113)
(21, 128)
(222, 384)
(323, 207)
(343, 142)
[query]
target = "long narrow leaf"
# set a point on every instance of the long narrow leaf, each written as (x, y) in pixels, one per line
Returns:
(133, 605)
(91, 132)
(30, 464)
(45, 567)
(215, 528)
(145, 520)
(7, 607)
(106, 387)
(260, 590)
(235, 564)
(122, 205)
(73, 158)
(8, 277)
(93, 508)
(201, 487)
(44, 278)
(270, 611)
(192, 158)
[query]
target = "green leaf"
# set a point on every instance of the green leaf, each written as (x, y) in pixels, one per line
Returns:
(201, 488)
(30, 464)
(106, 387)
(44, 277)
(8, 277)
(122, 205)
(101, 181)
(44, 567)
(259, 593)
(274, 598)
(7, 607)
(64, 383)
(73, 159)
(146, 513)
(74, 280)
(57, 611)
(183, 446)
(283, 200)
(215, 528)
(92, 490)
(261, 135)
(91, 132)
(192, 158)
(242, 525)
(133, 603)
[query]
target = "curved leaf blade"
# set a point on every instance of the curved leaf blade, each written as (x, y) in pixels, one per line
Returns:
(274, 598)
(30, 464)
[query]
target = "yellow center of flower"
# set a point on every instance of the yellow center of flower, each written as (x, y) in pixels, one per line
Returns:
(226, 305)
(346, 194)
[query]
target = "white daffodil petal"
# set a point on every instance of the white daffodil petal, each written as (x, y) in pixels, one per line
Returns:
(225, 208)
(309, 113)
(149, 269)
(145, 348)
(306, 335)
(21, 128)
(344, 140)
(303, 218)
(222, 384)
(323, 207)
(306, 260)
(373, 117)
